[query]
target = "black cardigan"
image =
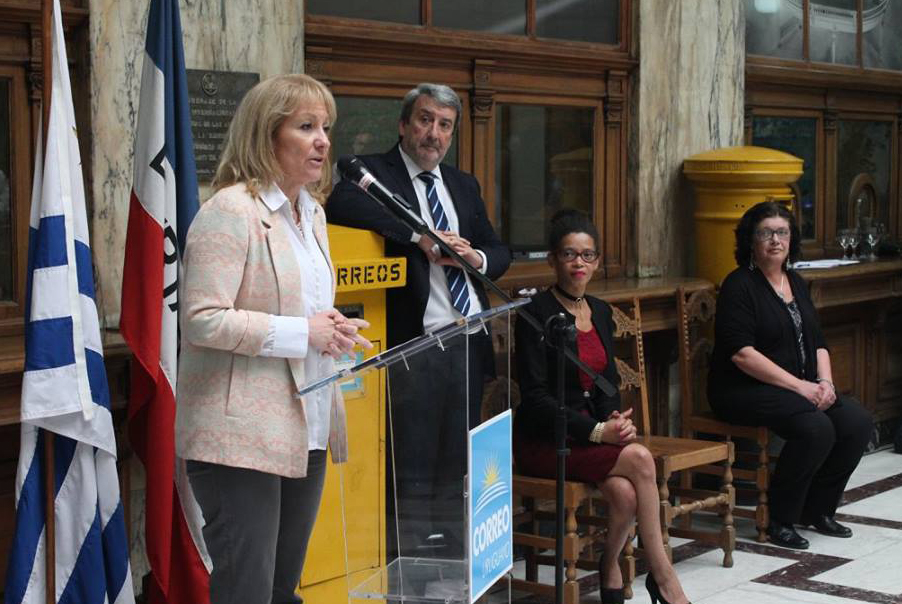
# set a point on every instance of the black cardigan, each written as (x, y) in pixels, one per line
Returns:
(749, 313)
(537, 375)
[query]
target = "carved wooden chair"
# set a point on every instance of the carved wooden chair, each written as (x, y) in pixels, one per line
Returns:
(695, 329)
(583, 536)
(674, 455)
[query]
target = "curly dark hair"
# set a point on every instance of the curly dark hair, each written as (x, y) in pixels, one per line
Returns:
(745, 230)
(567, 221)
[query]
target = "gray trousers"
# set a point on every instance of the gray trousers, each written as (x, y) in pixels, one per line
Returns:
(257, 526)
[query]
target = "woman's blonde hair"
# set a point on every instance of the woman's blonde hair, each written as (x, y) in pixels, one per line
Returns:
(248, 155)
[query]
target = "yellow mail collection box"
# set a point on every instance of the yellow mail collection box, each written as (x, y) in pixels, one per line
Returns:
(727, 183)
(363, 273)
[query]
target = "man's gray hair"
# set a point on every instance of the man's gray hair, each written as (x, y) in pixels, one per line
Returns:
(441, 94)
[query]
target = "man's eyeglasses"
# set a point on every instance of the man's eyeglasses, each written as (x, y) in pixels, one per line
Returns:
(569, 255)
(766, 234)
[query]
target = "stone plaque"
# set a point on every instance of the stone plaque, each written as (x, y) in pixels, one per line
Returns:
(214, 96)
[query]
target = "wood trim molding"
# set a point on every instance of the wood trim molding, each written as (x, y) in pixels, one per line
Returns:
(405, 40)
(766, 70)
(18, 11)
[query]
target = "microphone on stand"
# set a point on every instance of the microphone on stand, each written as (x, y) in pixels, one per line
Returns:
(355, 171)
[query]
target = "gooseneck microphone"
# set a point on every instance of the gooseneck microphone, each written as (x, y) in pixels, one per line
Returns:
(355, 171)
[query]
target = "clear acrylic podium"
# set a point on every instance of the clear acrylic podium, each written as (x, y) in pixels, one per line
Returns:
(427, 547)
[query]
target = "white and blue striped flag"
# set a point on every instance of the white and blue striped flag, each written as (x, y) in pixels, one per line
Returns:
(64, 388)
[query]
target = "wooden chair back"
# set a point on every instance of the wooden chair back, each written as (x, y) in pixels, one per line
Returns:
(631, 366)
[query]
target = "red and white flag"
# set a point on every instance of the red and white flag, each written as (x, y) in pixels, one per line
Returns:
(163, 203)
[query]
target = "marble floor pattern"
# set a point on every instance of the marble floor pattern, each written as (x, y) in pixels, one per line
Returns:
(865, 568)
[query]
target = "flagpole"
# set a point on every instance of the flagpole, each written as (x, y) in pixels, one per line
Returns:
(49, 473)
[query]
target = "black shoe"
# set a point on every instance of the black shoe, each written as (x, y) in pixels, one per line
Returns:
(609, 595)
(653, 590)
(785, 536)
(826, 525)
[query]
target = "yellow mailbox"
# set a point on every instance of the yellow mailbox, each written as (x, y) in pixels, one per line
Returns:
(727, 183)
(363, 273)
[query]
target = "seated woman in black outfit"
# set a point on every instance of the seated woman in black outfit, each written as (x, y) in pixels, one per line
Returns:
(600, 436)
(771, 368)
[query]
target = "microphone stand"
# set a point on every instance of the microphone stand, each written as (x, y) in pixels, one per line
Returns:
(402, 210)
(557, 333)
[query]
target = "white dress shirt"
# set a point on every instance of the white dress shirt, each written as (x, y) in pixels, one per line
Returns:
(439, 310)
(289, 337)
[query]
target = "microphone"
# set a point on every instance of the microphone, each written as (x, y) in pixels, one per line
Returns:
(355, 171)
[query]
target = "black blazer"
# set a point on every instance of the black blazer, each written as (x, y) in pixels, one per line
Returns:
(749, 313)
(537, 375)
(349, 206)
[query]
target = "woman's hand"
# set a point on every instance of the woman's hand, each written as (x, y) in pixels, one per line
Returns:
(619, 429)
(828, 395)
(334, 334)
(351, 328)
(810, 391)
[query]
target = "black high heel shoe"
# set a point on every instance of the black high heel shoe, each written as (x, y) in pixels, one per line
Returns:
(609, 595)
(653, 590)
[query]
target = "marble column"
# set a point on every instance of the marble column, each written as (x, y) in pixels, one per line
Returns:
(687, 97)
(262, 36)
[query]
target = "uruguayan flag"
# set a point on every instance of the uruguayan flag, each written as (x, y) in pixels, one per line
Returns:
(64, 389)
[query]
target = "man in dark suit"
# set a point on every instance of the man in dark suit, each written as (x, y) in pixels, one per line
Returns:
(428, 414)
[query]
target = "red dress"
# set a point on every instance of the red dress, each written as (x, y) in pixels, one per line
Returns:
(587, 462)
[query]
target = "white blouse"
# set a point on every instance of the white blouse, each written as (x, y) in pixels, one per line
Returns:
(288, 337)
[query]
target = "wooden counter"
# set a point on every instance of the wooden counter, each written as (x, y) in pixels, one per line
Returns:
(860, 307)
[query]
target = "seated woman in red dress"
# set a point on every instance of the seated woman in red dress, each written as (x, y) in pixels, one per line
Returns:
(601, 438)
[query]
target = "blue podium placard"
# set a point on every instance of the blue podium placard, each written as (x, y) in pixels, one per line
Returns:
(490, 503)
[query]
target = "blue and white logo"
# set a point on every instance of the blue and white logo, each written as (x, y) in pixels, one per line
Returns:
(490, 503)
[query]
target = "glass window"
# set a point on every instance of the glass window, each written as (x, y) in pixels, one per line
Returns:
(774, 28)
(796, 136)
(882, 28)
(864, 149)
(544, 162)
(505, 17)
(397, 11)
(833, 30)
(586, 20)
(6, 232)
(370, 125)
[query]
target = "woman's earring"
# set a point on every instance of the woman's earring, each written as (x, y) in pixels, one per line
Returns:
(786, 263)
(751, 264)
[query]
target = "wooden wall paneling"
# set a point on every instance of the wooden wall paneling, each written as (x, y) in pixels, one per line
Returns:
(747, 123)
(887, 350)
(482, 110)
(829, 164)
(21, 158)
(898, 197)
(845, 339)
(9, 455)
(895, 174)
(615, 178)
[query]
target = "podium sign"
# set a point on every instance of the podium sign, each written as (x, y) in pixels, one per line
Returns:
(490, 503)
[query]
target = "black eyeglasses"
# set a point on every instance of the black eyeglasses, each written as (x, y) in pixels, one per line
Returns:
(765, 234)
(569, 255)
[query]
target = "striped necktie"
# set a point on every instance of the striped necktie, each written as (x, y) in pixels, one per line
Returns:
(457, 281)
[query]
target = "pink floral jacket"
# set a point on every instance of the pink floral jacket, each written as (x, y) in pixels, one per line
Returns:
(234, 407)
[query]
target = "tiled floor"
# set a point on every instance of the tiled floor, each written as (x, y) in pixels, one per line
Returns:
(865, 568)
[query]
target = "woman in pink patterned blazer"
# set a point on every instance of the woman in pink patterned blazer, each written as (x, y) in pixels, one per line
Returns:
(258, 323)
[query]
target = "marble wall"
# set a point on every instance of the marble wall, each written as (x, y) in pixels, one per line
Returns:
(262, 36)
(687, 97)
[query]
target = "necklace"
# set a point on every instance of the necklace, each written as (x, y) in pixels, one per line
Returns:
(561, 291)
(779, 292)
